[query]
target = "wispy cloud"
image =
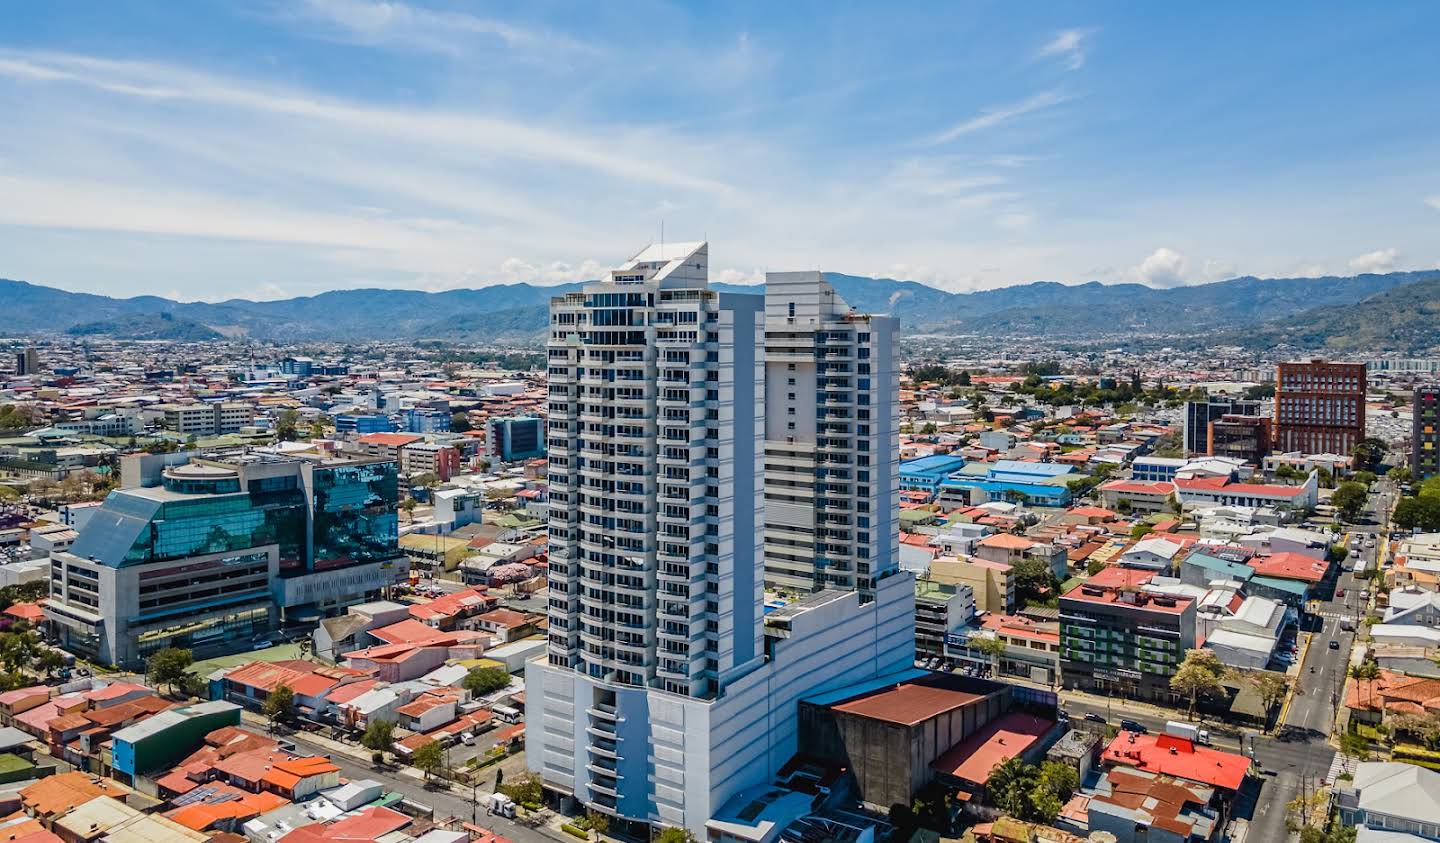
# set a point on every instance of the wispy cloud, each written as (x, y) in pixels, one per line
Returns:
(475, 134)
(995, 115)
(1433, 201)
(1069, 45)
(402, 25)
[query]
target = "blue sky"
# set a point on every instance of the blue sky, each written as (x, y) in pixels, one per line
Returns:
(267, 149)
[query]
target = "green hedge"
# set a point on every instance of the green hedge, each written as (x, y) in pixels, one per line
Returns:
(1411, 750)
(575, 832)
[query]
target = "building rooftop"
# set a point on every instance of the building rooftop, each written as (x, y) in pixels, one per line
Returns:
(1007, 736)
(914, 701)
(1179, 757)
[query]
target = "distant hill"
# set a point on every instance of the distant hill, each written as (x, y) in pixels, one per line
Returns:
(1404, 318)
(147, 326)
(518, 311)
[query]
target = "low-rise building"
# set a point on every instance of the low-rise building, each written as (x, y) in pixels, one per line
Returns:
(1391, 796)
(1115, 638)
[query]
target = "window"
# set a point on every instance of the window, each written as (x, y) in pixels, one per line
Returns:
(792, 310)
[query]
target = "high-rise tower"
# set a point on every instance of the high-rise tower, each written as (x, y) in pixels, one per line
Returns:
(655, 500)
(832, 470)
(666, 688)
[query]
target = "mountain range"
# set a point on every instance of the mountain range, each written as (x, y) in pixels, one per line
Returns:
(1365, 311)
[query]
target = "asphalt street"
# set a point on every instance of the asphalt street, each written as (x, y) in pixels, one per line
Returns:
(1297, 758)
(445, 802)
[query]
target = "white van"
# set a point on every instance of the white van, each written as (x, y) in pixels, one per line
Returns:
(506, 713)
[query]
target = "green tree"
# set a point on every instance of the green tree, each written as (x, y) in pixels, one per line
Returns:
(1271, 687)
(1010, 786)
(1140, 531)
(524, 789)
(484, 680)
(1044, 806)
(1369, 453)
(1033, 581)
(169, 667)
(1366, 477)
(18, 649)
(599, 823)
(992, 647)
(675, 835)
(287, 425)
(279, 703)
(1061, 779)
(429, 758)
(1199, 674)
(49, 661)
(379, 735)
(1420, 511)
(1349, 499)
(460, 422)
(1123, 506)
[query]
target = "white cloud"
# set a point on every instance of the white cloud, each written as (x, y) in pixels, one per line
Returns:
(413, 27)
(1015, 222)
(1164, 267)
(1218, 270)
(1433, 201)
(466, 133)
(1380, 260)
(995, 115)
(517, 270)
(1069, 46)
(269, 291)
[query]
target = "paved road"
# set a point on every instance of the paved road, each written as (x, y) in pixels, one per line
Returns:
(447, 803)
(1298, 758)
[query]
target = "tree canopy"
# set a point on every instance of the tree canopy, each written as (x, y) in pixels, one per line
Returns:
(1349, 499)
(1198, 675)
(169, 667)
(484, 680)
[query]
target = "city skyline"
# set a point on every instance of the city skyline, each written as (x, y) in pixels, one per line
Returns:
(267, 152)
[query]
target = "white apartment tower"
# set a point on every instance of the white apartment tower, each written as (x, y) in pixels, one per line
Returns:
(654, 476)
(832, 439)
(665, 689)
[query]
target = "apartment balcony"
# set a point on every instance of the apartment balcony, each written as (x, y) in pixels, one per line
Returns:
(603, 748)
(602, 767)
(604, 711)
(596, 787)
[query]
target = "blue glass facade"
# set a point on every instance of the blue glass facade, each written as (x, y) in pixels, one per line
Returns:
(355, 516)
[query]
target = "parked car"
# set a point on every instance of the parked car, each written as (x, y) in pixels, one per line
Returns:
(1132, 726)
(1094, 718)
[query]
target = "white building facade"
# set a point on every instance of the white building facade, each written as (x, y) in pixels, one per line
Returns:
(832, 440)
(665, 689)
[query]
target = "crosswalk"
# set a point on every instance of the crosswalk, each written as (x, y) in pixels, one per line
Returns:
(1339, 765)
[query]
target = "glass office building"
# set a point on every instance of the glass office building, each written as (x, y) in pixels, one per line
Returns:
(211, 554)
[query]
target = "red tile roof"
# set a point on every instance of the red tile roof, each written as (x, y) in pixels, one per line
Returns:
(1290, 566)
(1007, 541)
(366, 826)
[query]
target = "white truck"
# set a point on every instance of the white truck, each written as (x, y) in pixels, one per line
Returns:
(1188, 731)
